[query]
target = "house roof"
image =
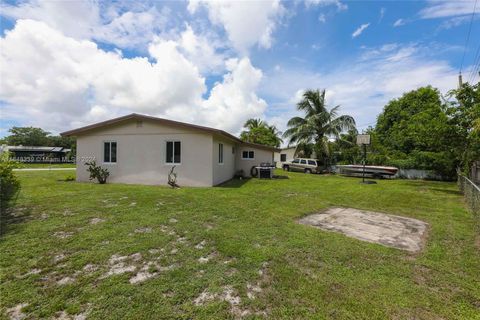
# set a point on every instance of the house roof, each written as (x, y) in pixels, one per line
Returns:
(288, 148)
(136, 116)
(37, 148)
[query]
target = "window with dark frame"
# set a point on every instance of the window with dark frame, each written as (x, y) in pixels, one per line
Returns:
(220, 153)
(248, 154)
(110, 152)
(173, 152)
(283, 157)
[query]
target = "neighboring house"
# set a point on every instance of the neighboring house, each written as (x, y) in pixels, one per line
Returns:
(286, 155)
(142, 149)
(36, 154)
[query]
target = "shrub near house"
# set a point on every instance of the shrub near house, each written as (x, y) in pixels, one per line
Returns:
(9, 187)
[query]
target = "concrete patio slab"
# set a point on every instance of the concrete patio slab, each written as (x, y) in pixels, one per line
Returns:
(385, 229)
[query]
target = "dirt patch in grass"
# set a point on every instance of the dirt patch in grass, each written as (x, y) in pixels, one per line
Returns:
(59, 257)
(150, 270)
(389, 230)
(65, 280)
(201, 245)
(31, 272)
(90, 268)
(135, 263)
(143, 230)
(228, 295)
(63, 234)
(96, 220)
(209, 226)
(63, 315)
(16, 313)
(118, 264)
(206, 259)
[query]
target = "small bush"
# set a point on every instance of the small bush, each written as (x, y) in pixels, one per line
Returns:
(97, 172)
(9, 186)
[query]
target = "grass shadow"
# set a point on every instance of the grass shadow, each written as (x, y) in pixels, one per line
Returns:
(280, 177)
(11, 217)
(233, 183)
(447, 191)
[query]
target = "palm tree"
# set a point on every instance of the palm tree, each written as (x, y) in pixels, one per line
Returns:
(319, 123)
(258, 131)
(275, 136)
(253, 123)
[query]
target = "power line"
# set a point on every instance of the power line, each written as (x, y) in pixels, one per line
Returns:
(468, 35)
(476, 65)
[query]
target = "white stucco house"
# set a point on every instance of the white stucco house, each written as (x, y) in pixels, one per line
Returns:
(140, 149)
(284, 155)
(287, 154)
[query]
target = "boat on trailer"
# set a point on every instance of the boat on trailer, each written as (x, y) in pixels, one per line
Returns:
(356, 170)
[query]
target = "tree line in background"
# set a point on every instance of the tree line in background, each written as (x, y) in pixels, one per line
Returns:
(30, 136)
(423, 130)
(419, 130)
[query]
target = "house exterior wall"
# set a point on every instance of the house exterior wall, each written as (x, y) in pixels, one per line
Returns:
(290, 152)
(141, 153)
(226, 171)
(261, 155)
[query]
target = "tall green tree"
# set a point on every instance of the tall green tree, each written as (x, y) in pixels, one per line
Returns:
(258, 131)
(415, 132)
(464, 115)
(346, 149)
(27, 136)
(30, 136)
(319, 123)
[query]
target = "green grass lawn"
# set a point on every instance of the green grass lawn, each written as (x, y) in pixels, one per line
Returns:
(233, 251)
(28, 165)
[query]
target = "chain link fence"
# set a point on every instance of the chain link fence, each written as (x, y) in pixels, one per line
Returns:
(472, 194)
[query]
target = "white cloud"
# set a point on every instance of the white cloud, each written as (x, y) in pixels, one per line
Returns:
(75, 18)
(361, 88)
(233, 101)
(398, 23)
(443, 9)
(360, 29)
(132, 29)
(202, 51)
(382, 14)
(322, 18)
(340, 6)
(128, 27)
(246, 23)
(58, 82)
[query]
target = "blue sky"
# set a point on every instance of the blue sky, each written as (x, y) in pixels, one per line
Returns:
(67, 64)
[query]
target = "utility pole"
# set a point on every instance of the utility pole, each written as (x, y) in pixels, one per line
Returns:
(460, 81)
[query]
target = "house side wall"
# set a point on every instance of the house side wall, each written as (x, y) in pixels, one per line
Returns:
(141, 154)
(290, 152)
(226, 171)
(261, 155)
